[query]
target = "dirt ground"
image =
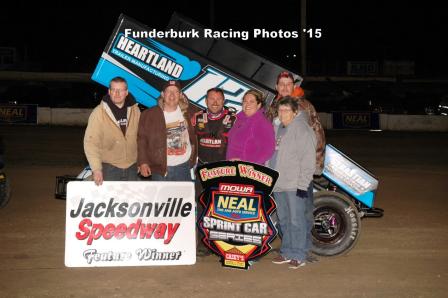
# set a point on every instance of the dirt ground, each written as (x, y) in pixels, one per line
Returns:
(403, 254)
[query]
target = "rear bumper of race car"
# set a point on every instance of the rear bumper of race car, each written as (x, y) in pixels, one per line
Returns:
(61, 186)
(322, 183)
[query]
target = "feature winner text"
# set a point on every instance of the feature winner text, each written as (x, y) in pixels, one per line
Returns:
(248, 232)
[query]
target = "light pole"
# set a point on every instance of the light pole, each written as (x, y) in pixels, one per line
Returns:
(303, 37)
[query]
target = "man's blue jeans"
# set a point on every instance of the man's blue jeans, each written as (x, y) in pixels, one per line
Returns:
(309, 217)
(112, 173)
(175, 173)
(291, 211)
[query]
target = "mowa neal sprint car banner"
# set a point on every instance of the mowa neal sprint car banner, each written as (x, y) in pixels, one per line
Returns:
(130, 224)
(147, 63)
(236, 223)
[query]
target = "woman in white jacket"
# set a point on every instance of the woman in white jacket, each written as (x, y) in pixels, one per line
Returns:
(295, 160)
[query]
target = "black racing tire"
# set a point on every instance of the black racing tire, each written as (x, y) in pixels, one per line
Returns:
(5, 190)
(337, 224)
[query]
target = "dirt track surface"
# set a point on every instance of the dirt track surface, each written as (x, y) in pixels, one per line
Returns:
(403, 254)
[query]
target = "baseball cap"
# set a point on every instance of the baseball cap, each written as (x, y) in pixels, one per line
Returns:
(285, 74)
(172, 83)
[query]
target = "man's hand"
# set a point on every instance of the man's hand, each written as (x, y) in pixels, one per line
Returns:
(302, 193)
(144, 170)
(98, 177)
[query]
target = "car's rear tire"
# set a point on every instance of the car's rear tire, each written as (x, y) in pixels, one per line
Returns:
(337, 224)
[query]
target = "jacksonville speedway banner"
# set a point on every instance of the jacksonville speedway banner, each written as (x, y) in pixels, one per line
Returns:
(236, 223)
(147, 63)
(130, 224)
(350, 176)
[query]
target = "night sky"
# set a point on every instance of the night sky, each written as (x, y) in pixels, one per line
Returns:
(70, 35)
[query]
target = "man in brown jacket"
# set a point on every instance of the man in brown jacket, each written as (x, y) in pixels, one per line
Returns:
(167, 148)
(110, 140)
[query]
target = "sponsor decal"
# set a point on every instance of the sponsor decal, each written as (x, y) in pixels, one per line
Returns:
(11, 113)
(147, 61)
(350, 176)
(354, 229)
(236, 223)
(212, 77)
(356, 120)
(155, 58)
(130, 224)
(210, 142)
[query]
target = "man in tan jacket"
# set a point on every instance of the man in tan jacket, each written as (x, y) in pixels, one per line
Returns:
(110, 141)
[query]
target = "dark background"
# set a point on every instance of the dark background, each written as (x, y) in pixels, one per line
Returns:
(70, 36)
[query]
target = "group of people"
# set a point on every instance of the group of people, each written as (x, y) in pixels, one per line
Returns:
(166, 141)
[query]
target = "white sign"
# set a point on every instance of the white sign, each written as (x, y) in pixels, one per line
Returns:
(130, 224)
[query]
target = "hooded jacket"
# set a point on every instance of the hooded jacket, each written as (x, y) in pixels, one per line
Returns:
(104, 141)
(251, 138)
(296, 155)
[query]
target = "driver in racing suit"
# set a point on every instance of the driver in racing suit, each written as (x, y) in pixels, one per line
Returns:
(211, 127)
